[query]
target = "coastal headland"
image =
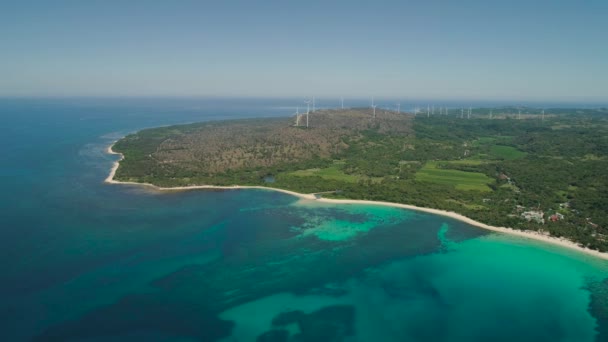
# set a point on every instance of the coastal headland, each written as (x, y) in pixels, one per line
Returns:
(527, 234)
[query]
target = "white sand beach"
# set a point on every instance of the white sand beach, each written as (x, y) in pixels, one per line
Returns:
(521, 233)
(110, 179)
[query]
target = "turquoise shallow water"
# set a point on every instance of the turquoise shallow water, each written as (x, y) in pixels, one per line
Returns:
(83, 260)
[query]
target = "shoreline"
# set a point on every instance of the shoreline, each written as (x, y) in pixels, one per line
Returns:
(533, 235)
(110, 180)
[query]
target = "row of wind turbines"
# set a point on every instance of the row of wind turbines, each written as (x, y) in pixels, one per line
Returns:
(430, 110)
(310, 101)
(465, 111)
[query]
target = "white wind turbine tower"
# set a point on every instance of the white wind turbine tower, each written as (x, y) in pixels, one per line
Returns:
(374, 107)
(298, 116)
(306, 119)
(543, 115)
(398, 108)
(428, 111)
(307, 111)
(462, 113)
(490, 114)
(469, 114)
(342, 101)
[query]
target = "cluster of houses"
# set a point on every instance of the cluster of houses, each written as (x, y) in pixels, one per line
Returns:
(538, 216)
(533, 215)
(556, 217)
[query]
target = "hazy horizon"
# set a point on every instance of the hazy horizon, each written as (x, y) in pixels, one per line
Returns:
(504, 52)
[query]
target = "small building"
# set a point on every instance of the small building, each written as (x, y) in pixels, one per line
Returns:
(556, 217)
(536, 216)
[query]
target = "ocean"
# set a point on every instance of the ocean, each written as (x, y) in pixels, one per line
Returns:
(87, 261)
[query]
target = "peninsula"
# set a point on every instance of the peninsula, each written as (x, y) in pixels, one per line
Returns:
(540, 173)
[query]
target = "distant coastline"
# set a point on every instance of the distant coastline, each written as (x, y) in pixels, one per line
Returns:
(521, 233)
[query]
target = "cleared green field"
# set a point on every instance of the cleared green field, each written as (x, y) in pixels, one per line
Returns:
(460, 179)
(332, 172)
(484, 141)
(465, 162)
(506, 152)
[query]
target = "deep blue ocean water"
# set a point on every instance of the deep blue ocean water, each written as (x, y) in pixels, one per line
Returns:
(87, 261)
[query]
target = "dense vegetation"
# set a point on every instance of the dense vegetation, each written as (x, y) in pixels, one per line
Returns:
(492, 170)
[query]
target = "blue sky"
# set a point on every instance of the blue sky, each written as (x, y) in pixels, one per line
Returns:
(499, 50)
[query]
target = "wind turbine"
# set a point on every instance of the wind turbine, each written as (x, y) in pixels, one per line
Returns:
(469, 114)
(398, 108)
(298, 116)
(342, 101)
(307, 111)
(462, 113)
(543, 115)
(428, 111)
(374, 107)
(306, 119)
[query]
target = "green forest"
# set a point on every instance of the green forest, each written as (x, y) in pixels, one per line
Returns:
(499, 169)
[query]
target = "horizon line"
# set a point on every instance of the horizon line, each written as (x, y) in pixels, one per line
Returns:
(322, 98)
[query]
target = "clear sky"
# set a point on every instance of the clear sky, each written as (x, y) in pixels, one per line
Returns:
(513, 50)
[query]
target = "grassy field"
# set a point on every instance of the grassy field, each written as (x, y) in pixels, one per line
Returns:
(465, 162)
(460, 179)
(484, 141)
(506, 152)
